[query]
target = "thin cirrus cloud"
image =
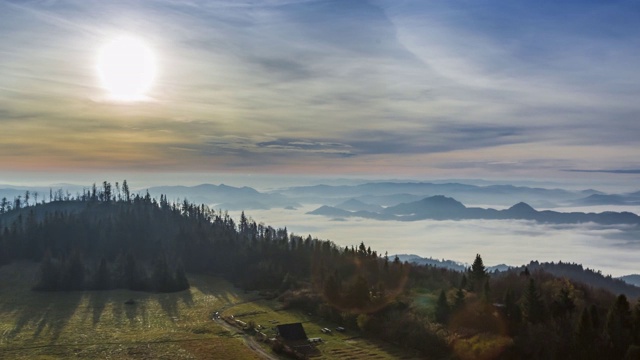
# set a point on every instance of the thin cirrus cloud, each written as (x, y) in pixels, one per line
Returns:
(269, 86)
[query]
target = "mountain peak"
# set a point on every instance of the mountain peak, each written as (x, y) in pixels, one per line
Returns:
(522, 207)
(442, 201)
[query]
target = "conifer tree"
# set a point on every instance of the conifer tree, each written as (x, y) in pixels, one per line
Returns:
(512, 311)
(459, 301)
(618, 327)
(477, 274)
(585, 335)
(73, 272)
(442, 308)
(532, 305)
(359, 293)
(101, 281)
(181, 282)
(49, 274)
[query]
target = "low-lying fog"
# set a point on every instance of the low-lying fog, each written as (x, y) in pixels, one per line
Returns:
(614, 250)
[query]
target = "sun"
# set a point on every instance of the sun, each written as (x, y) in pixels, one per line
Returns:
(126, 68)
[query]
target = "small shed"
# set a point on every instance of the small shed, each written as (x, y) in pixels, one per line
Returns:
(292, 334)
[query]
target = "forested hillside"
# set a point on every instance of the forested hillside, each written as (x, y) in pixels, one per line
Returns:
(103, 239)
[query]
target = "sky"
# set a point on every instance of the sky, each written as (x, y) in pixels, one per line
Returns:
(403, 89)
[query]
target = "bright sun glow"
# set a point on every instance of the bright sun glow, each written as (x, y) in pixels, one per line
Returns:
(127, 68)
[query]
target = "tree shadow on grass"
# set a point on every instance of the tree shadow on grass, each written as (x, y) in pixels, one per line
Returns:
(169, 302)
(44, 313)
(48, 313)
(97, 302)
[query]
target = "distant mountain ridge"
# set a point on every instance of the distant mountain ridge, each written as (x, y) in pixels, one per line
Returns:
(476, 194)
(372, 195)
(224, 196)
(357, 205)
(446, 264)
(440, 207)
(609, 199)
(633, 279)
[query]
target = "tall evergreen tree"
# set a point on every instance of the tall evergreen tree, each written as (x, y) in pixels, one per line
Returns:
(73, 272)
(101, 280)
(511, 309)
(459, 301)
(332, 289)
(532, 305)
(125, 191)
(618, 327)
(49, 274)
(477, 274)
(585, 336)
(443, 310)
(359, 293)
(181, 281)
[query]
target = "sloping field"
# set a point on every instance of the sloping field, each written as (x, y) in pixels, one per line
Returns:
(334, 345)
(98, 324)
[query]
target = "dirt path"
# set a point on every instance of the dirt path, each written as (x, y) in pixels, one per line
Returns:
(249, 340)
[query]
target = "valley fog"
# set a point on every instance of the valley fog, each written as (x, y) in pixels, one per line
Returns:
(613, 250)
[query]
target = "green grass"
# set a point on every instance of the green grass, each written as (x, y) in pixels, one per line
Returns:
(337, 345)
(99, 325)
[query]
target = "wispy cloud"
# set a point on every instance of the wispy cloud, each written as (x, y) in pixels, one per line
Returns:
(280, 83)
(622, 171)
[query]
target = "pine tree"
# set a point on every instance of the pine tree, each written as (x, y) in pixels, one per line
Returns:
(511, 309)
(161, 277)
(101, 281)
(131, 277)
(563, 305)
(636, 323)
(49, 274)
(585, 336)
(125, 190)
(181, 281)
(477, 274)
(359, 293)
(532, 305)
(463, 282)
(442, 308)
(459, 301)
(73, 273)
(618, 331)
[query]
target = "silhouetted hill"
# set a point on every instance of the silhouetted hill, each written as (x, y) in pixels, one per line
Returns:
(602, 199)
(389, 200)
(330, 211)
(444, 208)
(489, 194)
(223, 196)
(633, 279)
(357, 205)
(41, 210)
(434, 207)
(577, 272)
(446, 264)
(521, 209)
(418, 260)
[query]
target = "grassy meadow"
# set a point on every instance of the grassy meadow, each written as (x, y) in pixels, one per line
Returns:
(98, 324)
(336, 345)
